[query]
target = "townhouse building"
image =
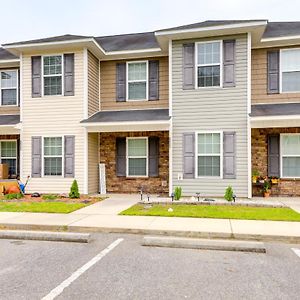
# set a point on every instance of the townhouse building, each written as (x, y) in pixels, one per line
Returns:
(198, 106)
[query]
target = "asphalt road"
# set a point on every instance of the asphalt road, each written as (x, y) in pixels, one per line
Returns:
(32, 269)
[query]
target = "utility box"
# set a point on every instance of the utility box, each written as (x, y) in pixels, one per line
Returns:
(3, 171)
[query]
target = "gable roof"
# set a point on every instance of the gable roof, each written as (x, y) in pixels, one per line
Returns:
(134, 41)
(210, 23)
(4, 55)
(279, 29)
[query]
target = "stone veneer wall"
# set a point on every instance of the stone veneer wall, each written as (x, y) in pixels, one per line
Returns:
(286, 187)
(115, 184)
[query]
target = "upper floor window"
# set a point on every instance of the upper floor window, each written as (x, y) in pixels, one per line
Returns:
(137, 82)
(290, 70)
(9, 87)
(52, 75)
(209, 59)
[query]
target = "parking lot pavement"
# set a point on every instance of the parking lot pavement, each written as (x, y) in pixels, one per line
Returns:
(32, 269)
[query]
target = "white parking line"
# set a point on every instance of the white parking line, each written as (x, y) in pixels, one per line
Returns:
(59, 289)
(297, 251)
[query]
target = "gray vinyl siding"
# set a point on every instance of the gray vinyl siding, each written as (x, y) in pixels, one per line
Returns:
(211, 109)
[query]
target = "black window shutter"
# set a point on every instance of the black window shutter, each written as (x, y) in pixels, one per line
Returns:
(121, 82)
(36, 76)
(153, 80)
(273, 155)
(121, 156)
(69, 74)
(153, 156)
(229, 155)
(189, 155)
(273, 71)
(188, 66)
(36, 156)
(228, 63)
(69, 156)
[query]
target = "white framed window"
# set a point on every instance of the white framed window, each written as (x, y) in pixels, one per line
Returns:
(52, 75)
(209, 151)
(290, 155)
(208, 64)
(9, 87)
(137, 157)
(137, 80)
(8, 155)
(289, 70)
(53, 156)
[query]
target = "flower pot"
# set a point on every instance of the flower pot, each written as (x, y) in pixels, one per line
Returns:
(267, 194)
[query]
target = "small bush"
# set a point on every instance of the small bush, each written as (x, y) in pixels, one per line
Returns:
(177, 193)
(74, 191)
(13, 196)
(49, 197)
(229, 193)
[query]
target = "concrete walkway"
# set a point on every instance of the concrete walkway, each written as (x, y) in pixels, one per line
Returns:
(102, 217)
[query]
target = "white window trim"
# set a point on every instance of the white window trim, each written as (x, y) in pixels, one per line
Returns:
(16, 158)
(128, 81)
(62, 156)
(197, 155)
(147, 158)
(62, 75)
(281, 155)
(280, 71)
(206, 65)
(17, 88)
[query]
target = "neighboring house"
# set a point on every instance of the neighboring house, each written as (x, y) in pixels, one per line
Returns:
(197, 106)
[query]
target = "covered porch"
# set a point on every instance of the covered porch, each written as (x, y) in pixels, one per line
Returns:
(129, 150)
(275, 146)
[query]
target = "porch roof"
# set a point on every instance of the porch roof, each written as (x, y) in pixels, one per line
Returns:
(128, 120)
(275, 115)
(8, 124)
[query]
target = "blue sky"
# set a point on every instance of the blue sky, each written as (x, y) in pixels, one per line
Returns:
(31, 19)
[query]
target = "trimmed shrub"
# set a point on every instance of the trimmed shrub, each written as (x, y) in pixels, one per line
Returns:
(229, 193)
(13, 196)
(74, 191)
(177, 193)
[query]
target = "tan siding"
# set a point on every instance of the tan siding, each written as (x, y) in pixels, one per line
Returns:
(56, 116)
(259, 81)
(93, 84)
(9, 110)
(108, 88)
(93, 158)
(205, 109)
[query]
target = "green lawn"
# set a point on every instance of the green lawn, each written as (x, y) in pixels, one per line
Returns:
(42, 207)
(214, 211)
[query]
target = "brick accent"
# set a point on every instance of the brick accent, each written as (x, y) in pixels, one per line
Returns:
(286, 187)
(153, 185)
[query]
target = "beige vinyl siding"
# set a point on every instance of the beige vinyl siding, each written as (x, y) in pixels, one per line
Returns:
(108, 87)
(259, 80)
(93, 165)
(219, 109)
(53, 116)
(93, 84)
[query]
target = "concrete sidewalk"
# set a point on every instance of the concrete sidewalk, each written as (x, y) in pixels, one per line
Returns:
(103, 217)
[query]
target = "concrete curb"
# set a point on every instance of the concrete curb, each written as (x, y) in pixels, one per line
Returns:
(45, 236)
(176, 233)
(204, 244)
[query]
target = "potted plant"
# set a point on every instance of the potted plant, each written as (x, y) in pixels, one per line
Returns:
(255, 175)
(267, 189)
(274, 180)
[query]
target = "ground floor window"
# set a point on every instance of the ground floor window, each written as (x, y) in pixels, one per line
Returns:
(8, 151)
(53, 154)
(209, 154)
(137, 157)
(290, 155)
